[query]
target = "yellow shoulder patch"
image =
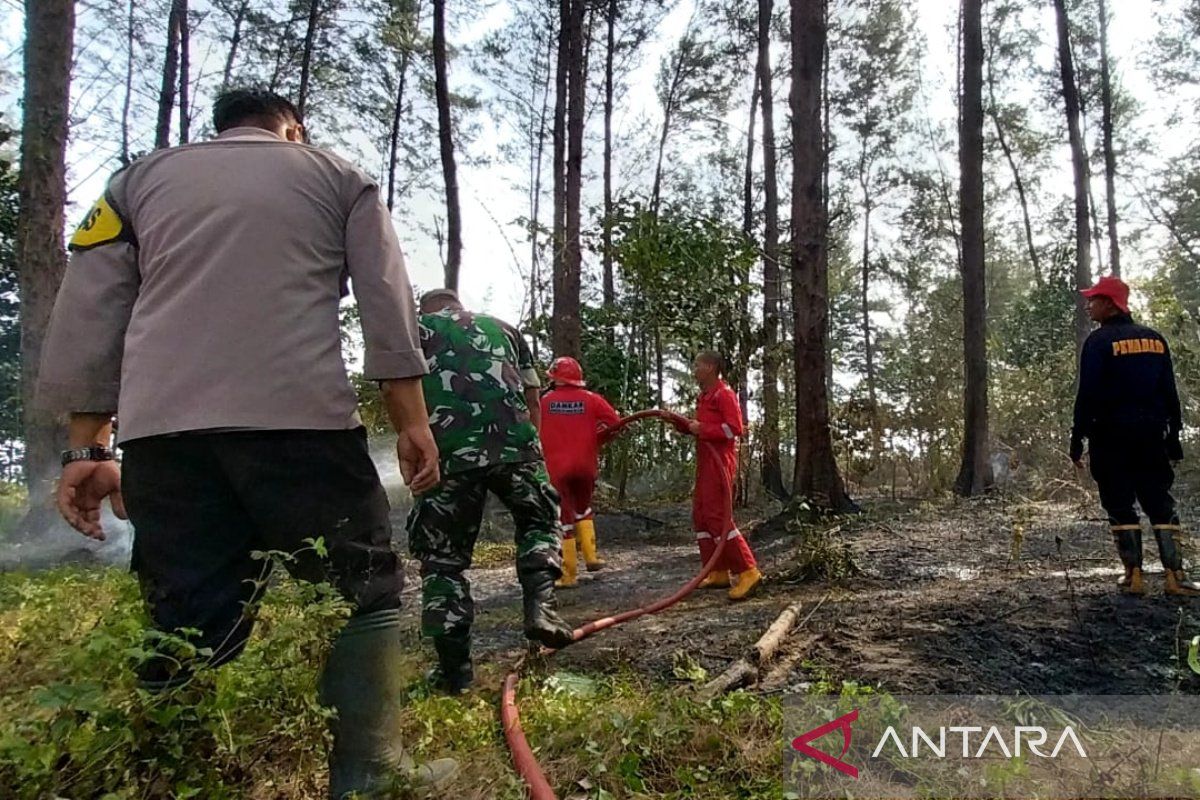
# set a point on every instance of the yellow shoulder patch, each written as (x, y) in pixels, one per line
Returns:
(102, 225)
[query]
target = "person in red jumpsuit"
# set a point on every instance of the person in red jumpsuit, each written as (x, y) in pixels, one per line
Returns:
(717, 426)
(575, 423)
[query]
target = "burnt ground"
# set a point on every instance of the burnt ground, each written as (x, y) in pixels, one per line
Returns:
(944, 604)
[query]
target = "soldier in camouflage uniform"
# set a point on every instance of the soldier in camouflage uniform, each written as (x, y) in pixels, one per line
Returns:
(481, 392)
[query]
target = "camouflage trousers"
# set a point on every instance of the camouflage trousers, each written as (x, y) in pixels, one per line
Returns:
(444, 524)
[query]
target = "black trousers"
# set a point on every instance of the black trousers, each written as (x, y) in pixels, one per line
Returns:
(1132, 466)
(202, 504)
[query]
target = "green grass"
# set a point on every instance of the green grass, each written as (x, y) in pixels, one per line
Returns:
(73, 723)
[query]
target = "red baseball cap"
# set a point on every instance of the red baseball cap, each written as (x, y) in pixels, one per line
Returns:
(1113, 288)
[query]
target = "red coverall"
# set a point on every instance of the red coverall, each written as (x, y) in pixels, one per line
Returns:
(720, 419)
(574, 424)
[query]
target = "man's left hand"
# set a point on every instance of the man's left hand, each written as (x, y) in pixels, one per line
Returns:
(82, 487)
(694, 428)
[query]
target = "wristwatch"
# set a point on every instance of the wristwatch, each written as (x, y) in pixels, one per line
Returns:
(96, 452)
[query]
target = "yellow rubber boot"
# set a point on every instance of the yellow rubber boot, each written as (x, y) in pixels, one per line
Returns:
(570, 567)
(1178, 583)
(717, 579)
(747, 582)
(1132, 582)
(585, 532)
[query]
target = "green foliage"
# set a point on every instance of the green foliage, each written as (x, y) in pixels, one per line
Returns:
(74, 723)
(685, 273)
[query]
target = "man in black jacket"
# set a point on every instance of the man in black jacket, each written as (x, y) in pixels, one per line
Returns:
(1127, 408)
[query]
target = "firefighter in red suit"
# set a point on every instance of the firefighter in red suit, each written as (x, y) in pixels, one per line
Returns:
(719, 423)
(575, 423)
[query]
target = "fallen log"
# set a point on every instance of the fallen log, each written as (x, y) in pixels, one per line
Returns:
(764, 649)
(745, 670)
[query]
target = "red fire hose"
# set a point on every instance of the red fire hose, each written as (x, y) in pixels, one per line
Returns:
(524, 761)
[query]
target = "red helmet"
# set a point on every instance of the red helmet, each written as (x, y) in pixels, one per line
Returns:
(566, 371)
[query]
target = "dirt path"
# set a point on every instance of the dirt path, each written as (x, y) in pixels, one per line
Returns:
(942, 607)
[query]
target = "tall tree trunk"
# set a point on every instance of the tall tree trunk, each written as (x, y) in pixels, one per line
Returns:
(127, 102)
(394, 135)
(816, 475)
(306, 55)
(235, 41)
(974, 475)
(1083, 239)
(865, 303)
(41, 258)
(772, 469)
(656, 187)
(1110, 157)
(608, 280)
(537, 157)
(748, 165)
(446, 139)
(1006, 147)
(170, 76)
(668, 114)
(568, 329)
(740, 328)
(185, 35)
(559, 155)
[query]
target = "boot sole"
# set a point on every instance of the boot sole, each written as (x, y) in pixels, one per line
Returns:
(552, 639)
(595, 567)
(749, 593)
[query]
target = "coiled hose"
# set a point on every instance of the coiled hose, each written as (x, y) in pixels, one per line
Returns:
(523, 758)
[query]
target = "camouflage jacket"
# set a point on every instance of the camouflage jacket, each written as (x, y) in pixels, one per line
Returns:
(479, 368)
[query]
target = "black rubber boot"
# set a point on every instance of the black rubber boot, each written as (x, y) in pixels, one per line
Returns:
(362, 682)
(1128, 539)
(454, 672)
(542, 622)
(1176, 581)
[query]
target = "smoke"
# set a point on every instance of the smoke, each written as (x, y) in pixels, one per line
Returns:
(45, 540)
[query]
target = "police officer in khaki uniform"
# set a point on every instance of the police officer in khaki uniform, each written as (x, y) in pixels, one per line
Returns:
(201, 306)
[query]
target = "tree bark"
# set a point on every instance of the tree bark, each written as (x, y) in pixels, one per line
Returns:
(446, 141)
(559, 155)
(166, 96)
(974, 475)
(1110, 157)
(185, 121)
(816, 476)
(40, 255)
(306, 55)
(608, 280)
(1083, 240)
(772, 469)
(568, 326)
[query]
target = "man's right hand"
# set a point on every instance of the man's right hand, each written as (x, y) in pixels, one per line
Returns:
(418, 455)
(82, 487)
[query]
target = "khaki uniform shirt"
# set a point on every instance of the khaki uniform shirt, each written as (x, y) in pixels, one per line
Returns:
(203, 292)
